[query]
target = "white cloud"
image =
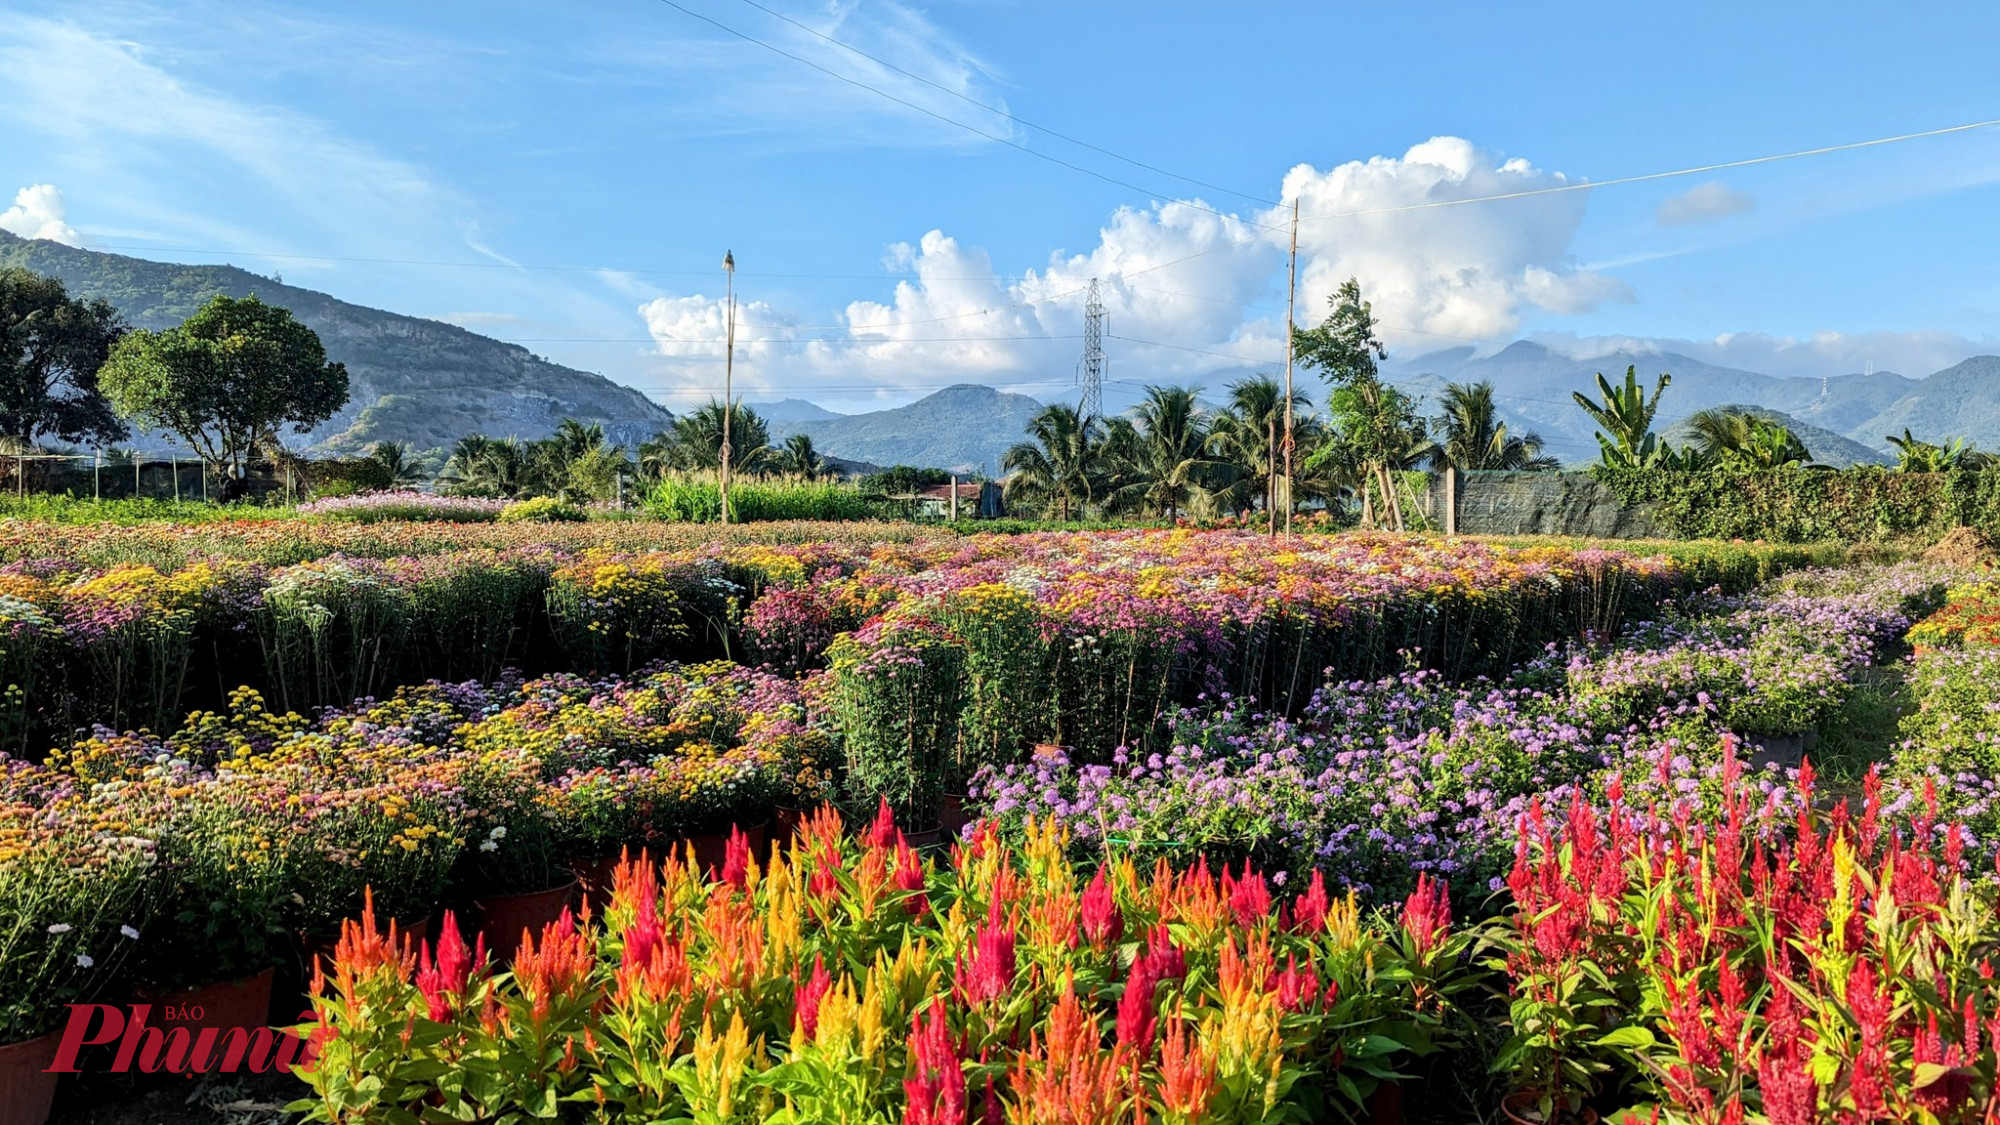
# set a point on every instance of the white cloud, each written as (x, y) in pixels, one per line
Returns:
(1189, 291)
(38, 212)
(1705, 203)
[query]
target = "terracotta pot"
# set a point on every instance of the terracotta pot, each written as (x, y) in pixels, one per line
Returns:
(1052, 750)
(951, 813)
(314, 946)
(786, 824)
(504, 918)
(1520, 1108)
(594, 877)
(1385, 1105)
(711, 849)
(241, 1003)
(26, 1093)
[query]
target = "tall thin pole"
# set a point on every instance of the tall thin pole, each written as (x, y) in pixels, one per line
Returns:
(728, 372)
(1291, 296)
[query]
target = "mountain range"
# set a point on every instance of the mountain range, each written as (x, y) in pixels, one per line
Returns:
(429, 383)
(1533, 384)
(421, 381)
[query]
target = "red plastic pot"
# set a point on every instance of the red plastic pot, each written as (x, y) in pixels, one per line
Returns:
(26, 1093)
(241, 1003)
(504, 918)
(711, 849)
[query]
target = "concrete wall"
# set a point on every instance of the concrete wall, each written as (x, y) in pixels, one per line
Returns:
(1538, 504)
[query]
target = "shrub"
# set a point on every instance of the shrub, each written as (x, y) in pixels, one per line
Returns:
(694, 500)
(898, 687)
(542, 509)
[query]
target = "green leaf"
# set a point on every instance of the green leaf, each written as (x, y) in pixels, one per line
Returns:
(1632, 1037)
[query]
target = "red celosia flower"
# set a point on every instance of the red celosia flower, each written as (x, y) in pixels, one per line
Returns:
(807, 996)
(1309, 910)
(441, 977)
(883, 832)
(991, 971)
(1249, 897)
(1103, 924)
(1427, 913)
(910, 879)
(936, 1085)
(736, 860)
(1297, 986)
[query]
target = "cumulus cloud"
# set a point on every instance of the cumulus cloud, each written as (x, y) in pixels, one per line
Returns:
(38, 212)
(1436, 269)
(1190, 290)
(1705, 203)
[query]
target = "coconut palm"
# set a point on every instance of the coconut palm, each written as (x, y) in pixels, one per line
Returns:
(798, 458)
(1471, 436)
(1736, 438)
(487, 466)
(392, 461)
(698, 439)
(1247, 437)
(1057, 471)
(1625, 420)
(1159, 459)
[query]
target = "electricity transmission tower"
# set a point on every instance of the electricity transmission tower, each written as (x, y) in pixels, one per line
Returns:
(1090, 369)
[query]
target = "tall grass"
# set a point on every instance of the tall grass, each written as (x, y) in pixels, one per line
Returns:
(696, 500)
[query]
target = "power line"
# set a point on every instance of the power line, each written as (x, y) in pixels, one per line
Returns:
(996, 110)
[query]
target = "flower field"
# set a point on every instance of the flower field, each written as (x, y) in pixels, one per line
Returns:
(1359, 827)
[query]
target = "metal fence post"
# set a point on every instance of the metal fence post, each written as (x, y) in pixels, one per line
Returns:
(1450, 500)
(137, 490)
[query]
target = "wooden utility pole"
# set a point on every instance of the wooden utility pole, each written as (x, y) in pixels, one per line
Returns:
(1291, 296)
(728, 372)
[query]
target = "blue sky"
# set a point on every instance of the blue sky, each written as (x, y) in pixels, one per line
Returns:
(883, 252)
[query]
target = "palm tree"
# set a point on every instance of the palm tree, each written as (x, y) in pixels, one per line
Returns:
(798, 458)
(1731, 436)
(1058, 470)
(480, 464)
(392, 459)
(1625, 420)
(657, 455)
(698, 439)
(1247, 436)
(1160, 458)
(1473, 438)
(1914, 456)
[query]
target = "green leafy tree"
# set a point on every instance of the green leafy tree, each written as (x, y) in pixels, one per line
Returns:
(1917, 456)
(1625, 420)
(1375, 426)
(1057, 471)
(1471, 437)
(228, 377)
(51, 349)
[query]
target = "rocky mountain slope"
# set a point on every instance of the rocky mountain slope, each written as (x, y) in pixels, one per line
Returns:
(420, 381)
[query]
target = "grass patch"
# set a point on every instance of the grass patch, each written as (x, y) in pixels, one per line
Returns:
(1865, 730)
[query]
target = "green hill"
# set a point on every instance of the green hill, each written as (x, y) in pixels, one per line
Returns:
(1827, 447)
(420, 381)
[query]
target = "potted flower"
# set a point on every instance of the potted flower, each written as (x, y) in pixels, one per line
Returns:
(220, 892)
(512, 867)
(72, 901)
(897, 690)
(399, 838)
